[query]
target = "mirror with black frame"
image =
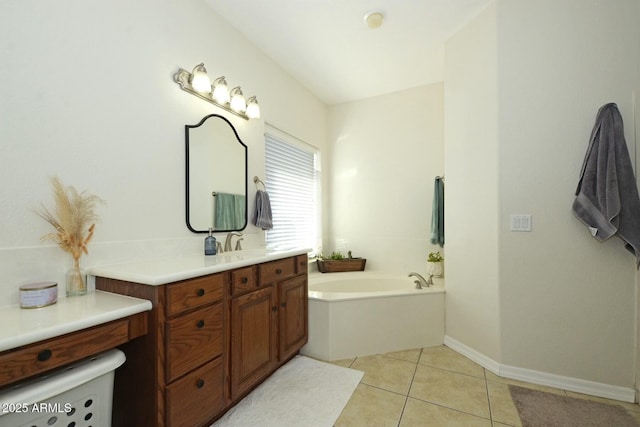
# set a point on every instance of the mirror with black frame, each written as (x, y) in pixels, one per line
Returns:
(216, 176)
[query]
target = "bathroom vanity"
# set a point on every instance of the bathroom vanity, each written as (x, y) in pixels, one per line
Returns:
(35, 341)
(219, 326)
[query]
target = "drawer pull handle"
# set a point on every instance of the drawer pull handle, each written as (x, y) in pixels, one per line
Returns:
(274, 308)
(44, 355)
(278, 271)
(200, 292)
(200, 324)
(200, 383)
(245, 280)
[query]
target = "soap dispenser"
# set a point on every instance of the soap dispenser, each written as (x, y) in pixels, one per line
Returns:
(210, 244)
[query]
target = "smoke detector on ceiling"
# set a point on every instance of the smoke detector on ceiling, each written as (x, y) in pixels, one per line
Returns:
(373, 19)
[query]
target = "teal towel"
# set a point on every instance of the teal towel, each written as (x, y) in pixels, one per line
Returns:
(225, 212)
(240, 203)
(437, 213)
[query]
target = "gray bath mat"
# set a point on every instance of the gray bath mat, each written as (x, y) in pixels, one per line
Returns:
(540, 409)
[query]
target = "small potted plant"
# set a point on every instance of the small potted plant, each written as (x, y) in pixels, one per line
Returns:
(337, 262)
(435, 264)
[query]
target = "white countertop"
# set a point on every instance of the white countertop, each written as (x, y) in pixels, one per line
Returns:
(172, 269)
(26, 326)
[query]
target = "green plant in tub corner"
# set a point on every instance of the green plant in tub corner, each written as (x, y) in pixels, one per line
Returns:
(335, 256)
(435, 257)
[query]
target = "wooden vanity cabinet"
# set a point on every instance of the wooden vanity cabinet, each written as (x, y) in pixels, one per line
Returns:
(174, 376)
(211, 340)
(293, 324)
(253, 339)
(42, 356)
(268, 321)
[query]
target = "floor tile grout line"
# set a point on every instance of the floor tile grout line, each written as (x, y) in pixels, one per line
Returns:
(486, 387)
(406, 398)
(441, 405)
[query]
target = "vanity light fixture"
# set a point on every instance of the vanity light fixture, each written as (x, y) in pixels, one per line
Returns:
(198, 83)
(200, 80)
(220, 90)
(253, 109)
(237, 102)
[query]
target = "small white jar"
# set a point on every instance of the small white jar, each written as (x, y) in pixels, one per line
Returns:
(36, 295)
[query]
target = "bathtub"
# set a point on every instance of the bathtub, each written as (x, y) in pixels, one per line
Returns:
(362, 313)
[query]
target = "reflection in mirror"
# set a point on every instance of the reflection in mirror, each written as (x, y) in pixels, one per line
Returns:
(216, 176)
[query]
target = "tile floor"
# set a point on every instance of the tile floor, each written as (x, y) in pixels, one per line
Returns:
(407, 388)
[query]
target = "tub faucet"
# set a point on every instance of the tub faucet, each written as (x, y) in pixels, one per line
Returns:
(227, 241)
(421, 280)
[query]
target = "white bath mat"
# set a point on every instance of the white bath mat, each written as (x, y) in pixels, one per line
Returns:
(304, 392)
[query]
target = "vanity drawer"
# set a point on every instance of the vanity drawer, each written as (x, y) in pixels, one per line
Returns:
(302, 264)
(196, 398)
(33, 359)
(277, 270)
(243, 280)
(194, 293)
(192, 340)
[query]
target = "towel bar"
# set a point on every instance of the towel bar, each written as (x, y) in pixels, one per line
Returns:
(257, 181)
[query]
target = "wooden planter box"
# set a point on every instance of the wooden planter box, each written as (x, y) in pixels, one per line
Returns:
(339, 265)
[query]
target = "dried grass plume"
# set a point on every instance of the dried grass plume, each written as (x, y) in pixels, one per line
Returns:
(74, 218)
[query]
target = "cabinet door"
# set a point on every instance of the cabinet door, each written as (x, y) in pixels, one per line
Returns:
(293, 316)
(253, 338)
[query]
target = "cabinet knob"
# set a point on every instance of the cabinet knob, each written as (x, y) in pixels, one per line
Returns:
(284, 304)
(274, 308)
(200, 292)
(245, 280)
(200, 383)
(278, 271)
(45, 355)
(200, 324)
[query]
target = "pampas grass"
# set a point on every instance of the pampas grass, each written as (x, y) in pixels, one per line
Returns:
(73, 218)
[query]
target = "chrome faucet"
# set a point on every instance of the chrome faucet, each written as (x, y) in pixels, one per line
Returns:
(238, 245)
(227, 241)
(421, 280)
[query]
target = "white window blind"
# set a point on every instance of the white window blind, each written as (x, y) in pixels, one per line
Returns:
(292, 184)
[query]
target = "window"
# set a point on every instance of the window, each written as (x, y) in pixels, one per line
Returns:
(292, 181)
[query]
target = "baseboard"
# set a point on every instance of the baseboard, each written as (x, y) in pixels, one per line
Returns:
(543, 378)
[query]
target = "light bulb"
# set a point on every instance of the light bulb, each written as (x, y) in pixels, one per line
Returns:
(253, 109)
(238, 103)
(220, 90)
(200, 80)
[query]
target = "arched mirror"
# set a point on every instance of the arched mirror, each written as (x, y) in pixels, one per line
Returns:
(216, 176)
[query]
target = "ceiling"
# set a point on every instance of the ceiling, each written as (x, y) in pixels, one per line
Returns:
(326, 46)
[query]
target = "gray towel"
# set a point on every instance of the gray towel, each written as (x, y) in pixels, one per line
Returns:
(607, 195)
(262, 216)
(437, 213)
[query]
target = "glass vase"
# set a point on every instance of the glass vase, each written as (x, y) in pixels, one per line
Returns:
(76, 280)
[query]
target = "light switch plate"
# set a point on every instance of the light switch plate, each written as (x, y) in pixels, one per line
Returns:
(521, 222)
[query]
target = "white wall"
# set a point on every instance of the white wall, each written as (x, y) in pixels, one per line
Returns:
(87, 94)
(561, 302)
(472, 199)
(384, 153)
(572, 298)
